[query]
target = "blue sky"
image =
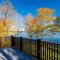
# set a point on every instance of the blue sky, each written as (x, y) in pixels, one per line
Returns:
(26, 6)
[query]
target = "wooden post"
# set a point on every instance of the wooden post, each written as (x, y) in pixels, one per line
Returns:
(12, 41)
(38, 49)
(21, 47)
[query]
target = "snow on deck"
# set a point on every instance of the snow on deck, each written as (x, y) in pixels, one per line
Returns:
(13, 54)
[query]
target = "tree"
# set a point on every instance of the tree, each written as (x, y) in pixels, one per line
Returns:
(57, 21)
(52, 27)
(38, 24)
(55, 27)
(36, 29)
(45, 15)
(7, 13)
(6, 16)
(8, 22)
(29, 22)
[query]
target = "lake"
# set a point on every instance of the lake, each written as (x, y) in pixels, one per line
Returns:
(53, 38)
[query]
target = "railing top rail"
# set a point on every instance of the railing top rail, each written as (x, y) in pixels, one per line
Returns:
(51, 42)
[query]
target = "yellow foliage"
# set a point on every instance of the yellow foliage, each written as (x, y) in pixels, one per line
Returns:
(4, 29)
(29, 22)
(52, 26)
(45, 14)
(45, 11)
(35, 28)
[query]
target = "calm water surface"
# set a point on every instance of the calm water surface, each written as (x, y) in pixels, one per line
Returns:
(54, 38)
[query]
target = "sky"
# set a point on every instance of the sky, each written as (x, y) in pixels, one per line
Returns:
(24, 7)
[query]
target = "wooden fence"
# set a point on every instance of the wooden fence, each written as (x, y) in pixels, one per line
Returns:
(40, 49)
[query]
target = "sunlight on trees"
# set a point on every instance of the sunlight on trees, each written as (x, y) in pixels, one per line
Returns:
(45, 14)
(46, 17)
(57, 21)
(29, 22)
(7, 14)
(40, 22)
(6, 19)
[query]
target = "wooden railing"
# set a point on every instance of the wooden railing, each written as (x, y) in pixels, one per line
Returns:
(40, 49)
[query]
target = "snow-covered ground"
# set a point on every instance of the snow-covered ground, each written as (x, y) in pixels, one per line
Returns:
(13, 54)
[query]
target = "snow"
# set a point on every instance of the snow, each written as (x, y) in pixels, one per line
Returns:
(13, 54)
(2, 57)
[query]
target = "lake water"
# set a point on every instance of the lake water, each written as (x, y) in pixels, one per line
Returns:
(54, 38)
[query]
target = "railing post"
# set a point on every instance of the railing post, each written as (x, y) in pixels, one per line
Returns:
(21, 47)
(35, 48)
(57, 52)
(30, 42)
(38, 49)
(12, 41)
(54, 51)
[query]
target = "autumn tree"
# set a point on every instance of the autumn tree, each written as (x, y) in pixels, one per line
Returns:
(36, 29)
(45, 16)
(6, 16)
(40, 22)
(56, 26)
(57, 21)
(7, 13)
(8, 22)
(29, 23)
